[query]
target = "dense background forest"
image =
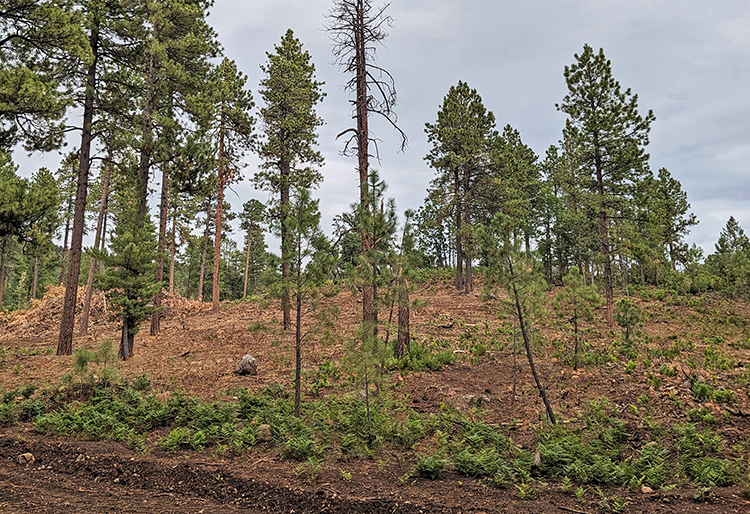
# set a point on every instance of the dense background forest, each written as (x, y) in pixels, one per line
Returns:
(161, 106)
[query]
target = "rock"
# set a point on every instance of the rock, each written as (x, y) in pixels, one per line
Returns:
(80, 458)
(247, 366)
(264, 433)
(26, 458)
(646, 490)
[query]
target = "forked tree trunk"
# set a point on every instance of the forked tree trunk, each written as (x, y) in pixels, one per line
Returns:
(67, 320)
(84, 328)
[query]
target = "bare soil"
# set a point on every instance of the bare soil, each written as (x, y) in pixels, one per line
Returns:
(197, 352)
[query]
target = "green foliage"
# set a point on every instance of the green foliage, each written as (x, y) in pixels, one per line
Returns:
(421, 357)
(105, 372)
(575, 302)
(430, 467)
(128, 279)
(629, 316)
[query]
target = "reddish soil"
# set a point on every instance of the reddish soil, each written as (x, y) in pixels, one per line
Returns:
(197, 352)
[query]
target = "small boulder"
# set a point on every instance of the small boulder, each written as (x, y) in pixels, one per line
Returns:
(247, 366)
(26, 458)
(646, 490)
(264, 433)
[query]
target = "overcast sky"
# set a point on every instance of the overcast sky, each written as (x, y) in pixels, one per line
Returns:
(688, 61)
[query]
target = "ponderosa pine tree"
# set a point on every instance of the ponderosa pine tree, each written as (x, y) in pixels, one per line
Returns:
(233, 133)
(356, 29)
(107, 32)
(290, 161)
(461, 143)
(609, 137)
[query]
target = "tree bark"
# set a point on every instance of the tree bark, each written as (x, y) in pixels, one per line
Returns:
(172, 250)
(144, 164)
(205, 250)
(160, 249)
(369, 311)
(84, 328)
(64, 256)
(459, 221)
(404, 334)
(67, 321)
(35, 280)
(247, 266)
(604, 236)
(285, 241)
(216, 306)
(3, 253)
(527, 344)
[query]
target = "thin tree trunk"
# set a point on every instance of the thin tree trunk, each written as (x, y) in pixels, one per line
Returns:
(527, 344)
(247, 266)
(160, 249)
(216, 306)
(404, 335)
(205, 250)
(103, 243)
(285, 236)
(144, 164)
(459, 221)
(84, 328)
(604, 236)
(64, 257)
(35, 280)
(3, 254)
(172, 250)
(298, 334)
(67, 320)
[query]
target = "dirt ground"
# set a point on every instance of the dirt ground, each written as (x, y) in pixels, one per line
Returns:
(197, 352)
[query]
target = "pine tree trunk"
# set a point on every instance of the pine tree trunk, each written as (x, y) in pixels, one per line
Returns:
(172, 250)
(298, 351)
(369, 312)
(103, 242)
(609, 296)
(247, 266)
(527, 344)
(285, 241)
(404, 335)
(84, 328)
(160, 249)
(459, 221)
(144, 165)
(67, 320)
(3, 253)
(205, 250)
(216, 306)
(64, 256)
(35, 280)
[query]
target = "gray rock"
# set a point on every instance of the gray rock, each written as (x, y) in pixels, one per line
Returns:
(264, 433)
(247, 366)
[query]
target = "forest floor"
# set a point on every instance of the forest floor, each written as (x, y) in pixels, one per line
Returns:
(685, 340)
